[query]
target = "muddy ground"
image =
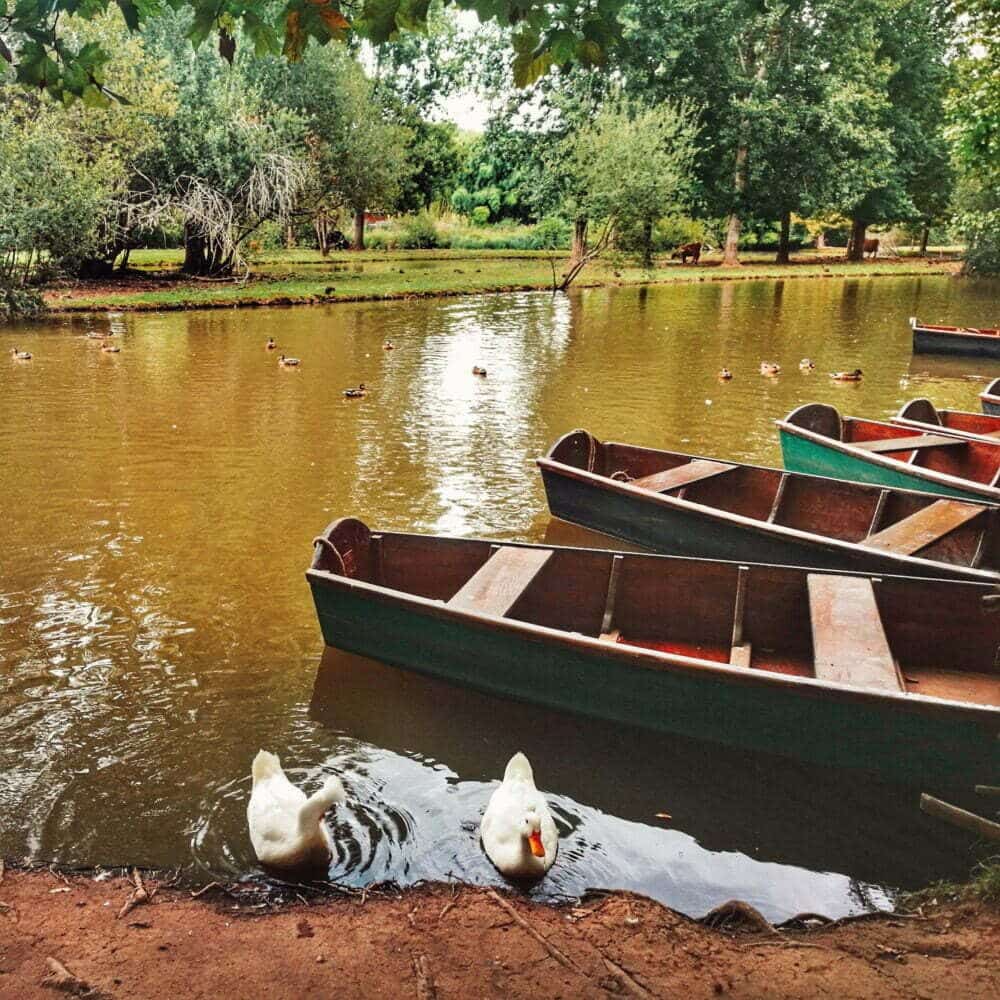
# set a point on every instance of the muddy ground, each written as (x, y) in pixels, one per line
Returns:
(77, 936)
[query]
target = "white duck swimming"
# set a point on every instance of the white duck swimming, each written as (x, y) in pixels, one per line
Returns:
(518, 831)
(286, 828)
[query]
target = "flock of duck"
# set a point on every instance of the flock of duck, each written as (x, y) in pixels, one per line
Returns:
(289, 834)
(361, 390)
(772, 368)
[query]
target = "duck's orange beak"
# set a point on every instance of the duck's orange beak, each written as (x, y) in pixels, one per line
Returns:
(535, 843)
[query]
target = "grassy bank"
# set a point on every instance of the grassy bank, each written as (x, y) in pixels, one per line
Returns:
(303, 276)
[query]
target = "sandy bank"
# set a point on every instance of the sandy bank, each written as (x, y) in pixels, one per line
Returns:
(64, 933)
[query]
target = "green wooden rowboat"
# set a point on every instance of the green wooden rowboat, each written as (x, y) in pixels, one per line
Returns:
(816, 439)
(893, 675)
(922, 415)
(687, 505)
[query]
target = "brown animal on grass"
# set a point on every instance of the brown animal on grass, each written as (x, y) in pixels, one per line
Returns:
(871, 248)
(692, 250)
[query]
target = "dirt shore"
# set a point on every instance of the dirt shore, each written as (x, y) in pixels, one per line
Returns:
(76, 935)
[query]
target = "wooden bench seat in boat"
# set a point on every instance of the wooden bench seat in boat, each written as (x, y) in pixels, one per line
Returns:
(495, 587)
(681, 475)
(923, 528)
(849, 642)
(908, 443)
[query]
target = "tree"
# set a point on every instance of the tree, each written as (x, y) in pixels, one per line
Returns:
(974, 129)
(634, 165)
(33, 41)
(912, 43)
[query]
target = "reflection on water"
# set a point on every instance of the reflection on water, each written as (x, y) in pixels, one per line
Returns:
(155, 629)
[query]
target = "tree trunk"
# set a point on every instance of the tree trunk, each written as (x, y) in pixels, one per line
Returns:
(821, 240)
(856, 247)
(322, 226)
(579, 238)
(359, 229)
(786, 228)
(647, 243)
(194, 254)
(730, 257)
(123, 266)
(925, 235)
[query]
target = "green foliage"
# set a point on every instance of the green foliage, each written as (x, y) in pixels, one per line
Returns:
(551, 233)
(633, 165)
(32, 36)
(481, 215)
(419, 233)
(18, 302)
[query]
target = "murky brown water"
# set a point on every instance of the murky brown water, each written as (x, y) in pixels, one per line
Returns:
(156, 630)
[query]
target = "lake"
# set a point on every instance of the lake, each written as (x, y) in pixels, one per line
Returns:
(156, 629)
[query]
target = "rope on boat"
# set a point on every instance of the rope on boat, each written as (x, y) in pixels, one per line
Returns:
(621, 476)
(330, 547)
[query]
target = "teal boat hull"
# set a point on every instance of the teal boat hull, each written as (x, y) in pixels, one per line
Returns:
(907, 743)
(803, 455)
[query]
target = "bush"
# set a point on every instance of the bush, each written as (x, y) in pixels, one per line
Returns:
(551, 233)
(18, 302)
(419, 233)
(982, 231)
(480, 215)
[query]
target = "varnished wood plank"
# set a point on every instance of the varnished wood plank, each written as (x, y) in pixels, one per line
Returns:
(908, 443)
(849, 642)
(740, 655)
(611, 636)
(923, 528)
(682, 475)
(983, 828)
(495, 587)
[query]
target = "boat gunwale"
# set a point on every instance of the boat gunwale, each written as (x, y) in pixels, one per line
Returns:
(921, 425)
(765, 528)
(990, 495)
(652, 659)
(983, 332)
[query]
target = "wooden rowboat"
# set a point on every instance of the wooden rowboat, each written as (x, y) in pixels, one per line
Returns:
(894, 675)
(686, 505)
(922, 415)
(989, 398)
(969, 341)
(816, 439)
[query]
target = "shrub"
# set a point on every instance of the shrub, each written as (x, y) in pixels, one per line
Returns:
(419, 233)
(481, 215)
(551, 233)
(18, 302)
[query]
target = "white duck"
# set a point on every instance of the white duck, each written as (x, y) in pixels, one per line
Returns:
(518, 832)
(286, 828)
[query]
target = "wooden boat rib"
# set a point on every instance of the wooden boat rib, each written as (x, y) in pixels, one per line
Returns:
(968, 341)
(989, 398)
(685, 505)
(896, 675)
(924, 416)
(816, 439)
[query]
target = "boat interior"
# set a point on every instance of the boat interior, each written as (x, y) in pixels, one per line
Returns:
(981, 331)
(922, 413)
(921, 636)
(977, 461)
(900, 521)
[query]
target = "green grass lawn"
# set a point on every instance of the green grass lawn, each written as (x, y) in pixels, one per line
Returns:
(303, 276)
